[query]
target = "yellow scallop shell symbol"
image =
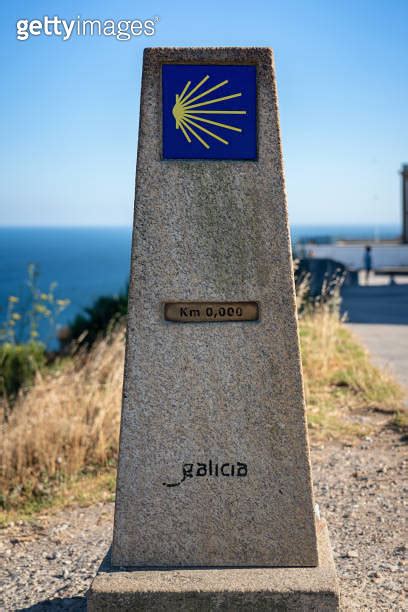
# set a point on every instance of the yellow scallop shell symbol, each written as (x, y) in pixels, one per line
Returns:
(187, 112)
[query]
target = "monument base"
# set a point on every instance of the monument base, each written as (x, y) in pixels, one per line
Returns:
(196, 590)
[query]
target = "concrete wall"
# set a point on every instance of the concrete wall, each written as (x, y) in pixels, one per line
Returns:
(352, 255)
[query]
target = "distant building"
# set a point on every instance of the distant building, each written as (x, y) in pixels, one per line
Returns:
(387, 255)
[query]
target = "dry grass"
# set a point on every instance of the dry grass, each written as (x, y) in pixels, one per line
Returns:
(66, 424)
(340, 380)
(65, 429)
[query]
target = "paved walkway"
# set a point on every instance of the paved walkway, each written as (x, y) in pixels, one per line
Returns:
(378, 315)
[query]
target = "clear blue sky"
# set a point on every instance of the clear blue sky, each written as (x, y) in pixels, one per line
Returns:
(69, 110)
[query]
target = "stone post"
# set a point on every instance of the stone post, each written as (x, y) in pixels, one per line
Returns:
(214, 467)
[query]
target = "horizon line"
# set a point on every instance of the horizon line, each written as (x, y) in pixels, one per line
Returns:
(130, 226)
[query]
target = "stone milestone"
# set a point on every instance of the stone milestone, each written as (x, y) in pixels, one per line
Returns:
(214, 467)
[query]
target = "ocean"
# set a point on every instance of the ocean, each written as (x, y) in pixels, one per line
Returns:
(89, 262)
(85, 262)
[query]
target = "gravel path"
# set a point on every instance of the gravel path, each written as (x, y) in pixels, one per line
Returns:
(387, 345)
(360, 490)
(378, 315)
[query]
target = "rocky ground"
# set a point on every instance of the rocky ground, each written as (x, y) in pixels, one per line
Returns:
(361, 492)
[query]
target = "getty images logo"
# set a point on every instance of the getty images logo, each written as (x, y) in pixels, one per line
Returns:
(122, 29)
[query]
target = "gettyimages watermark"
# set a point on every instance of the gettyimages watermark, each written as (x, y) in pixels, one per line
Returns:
(121, 29)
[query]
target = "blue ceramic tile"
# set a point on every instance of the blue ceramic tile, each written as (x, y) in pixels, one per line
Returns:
(209, 112)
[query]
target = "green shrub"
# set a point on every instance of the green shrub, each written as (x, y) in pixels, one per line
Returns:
(98, 318)
(18, 366)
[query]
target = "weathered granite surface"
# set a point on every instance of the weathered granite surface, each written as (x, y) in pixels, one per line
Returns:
(199, 590)
(227, 392)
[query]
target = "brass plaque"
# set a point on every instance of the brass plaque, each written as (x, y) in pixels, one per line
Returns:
(210, 312)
